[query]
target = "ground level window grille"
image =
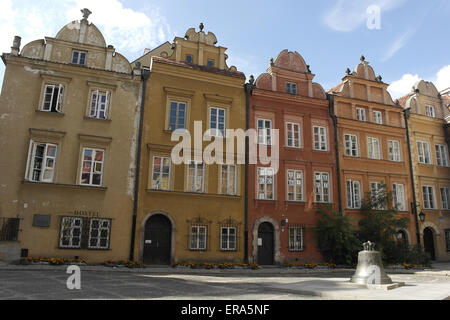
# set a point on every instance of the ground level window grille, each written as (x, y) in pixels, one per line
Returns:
(9, 229)
(296, 238)
(198, 234)
(229, 234)
(84, 233)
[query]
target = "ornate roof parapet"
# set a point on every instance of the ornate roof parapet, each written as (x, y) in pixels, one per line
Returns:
(201, 37)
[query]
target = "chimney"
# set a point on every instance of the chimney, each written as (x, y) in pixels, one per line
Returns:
(15, 49)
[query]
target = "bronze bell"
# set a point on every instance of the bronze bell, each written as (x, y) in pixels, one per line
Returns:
(370, 268)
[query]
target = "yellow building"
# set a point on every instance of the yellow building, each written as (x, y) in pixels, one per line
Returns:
(68, 110)
(431, 167)
(193, 211)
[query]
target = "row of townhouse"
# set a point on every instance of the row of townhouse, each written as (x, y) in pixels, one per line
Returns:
(88, 167)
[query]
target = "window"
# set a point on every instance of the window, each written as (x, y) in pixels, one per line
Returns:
(99, 104)
(161, 173)
(293, 134)
(228, 179)
(264, 131)
(424, 152)
(92, 167)
(360, 114)
(189, 58)
(177, 115)
(198, 237)
(322, 187)
(398, 194)
(196, 177)
(295, 238)
(351, 145)
(377, 117)
(9, 229)
(429, 110)
(441, 155)
(378, 196)
(295, 185)
(71, 229)
(394, 150)
(99, 233)
(447, 239)
(210, 63)
(41, 162)
(291, 87)
(428, 197)
(373, 151)
(85, 233)
(217, 121)
(228, 238)
(445, 198)
(53, 98)
(320, 138)
(79, 57)
(265, 183)
(353, 194)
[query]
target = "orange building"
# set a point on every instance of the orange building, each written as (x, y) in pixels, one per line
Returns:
(282, 203)
(373, 149)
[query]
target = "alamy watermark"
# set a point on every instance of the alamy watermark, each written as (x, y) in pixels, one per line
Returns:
(373, 17)
(74, 280)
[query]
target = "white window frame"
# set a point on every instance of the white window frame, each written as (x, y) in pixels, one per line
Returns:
(423, 152)
(295, 135)
(441, 155)
(351, 145)
(228, 236)
(157, 184)
(195, 177)
(399, 196)
(93, 165)
(71, 228)
(231, 188)
(293, 236)
(322, 143)
(264, 133)
(80, 52)
(320, 188)
(427, 202)
(177, 114)
(361, 114)
(291, 87)
(31, 161)
(373, 191)
(294, 176)
(97, 106)
(194, 238)
(268, 173)
(377, 117)
(372, 152)
(445, 198)
(394, 150)
(100, 228)
(59, 98)
(430, 111)
(215, 130)
(353, 194)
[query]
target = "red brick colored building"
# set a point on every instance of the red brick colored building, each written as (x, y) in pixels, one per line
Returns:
(281, 205)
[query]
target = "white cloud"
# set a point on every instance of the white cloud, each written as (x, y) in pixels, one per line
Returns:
(443, 78)
(403, 86)
(347, 15)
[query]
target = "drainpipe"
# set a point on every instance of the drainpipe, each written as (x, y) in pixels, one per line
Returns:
(248, 91)
(145, 76)
(330, 98)
(406, 113)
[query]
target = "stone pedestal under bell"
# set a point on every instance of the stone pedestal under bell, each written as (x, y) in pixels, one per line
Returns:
(370, 267)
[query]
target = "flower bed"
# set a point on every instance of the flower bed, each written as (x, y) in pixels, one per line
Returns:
(123, 263)
(209, 265)
(310, 265)
(51, 261)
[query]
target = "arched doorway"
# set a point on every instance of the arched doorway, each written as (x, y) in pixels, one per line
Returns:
(265, 243)
(157, 240)
(428, 242)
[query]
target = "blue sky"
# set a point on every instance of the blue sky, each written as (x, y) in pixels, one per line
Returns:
(411, 43)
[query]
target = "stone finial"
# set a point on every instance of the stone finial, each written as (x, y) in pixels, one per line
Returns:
(348, 71)
(369, 246)
(271, 62)
(251, 80)
(86, 13)
(308, 68)
(397, 102)
(201, 26)
(15, 49)
(362, 58)
(379, 78)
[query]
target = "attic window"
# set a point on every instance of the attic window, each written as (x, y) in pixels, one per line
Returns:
(189, 58)
(79, 57)
(291, 87)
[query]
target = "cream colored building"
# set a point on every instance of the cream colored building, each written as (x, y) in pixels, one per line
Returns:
(69, 111)
(431, 166)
